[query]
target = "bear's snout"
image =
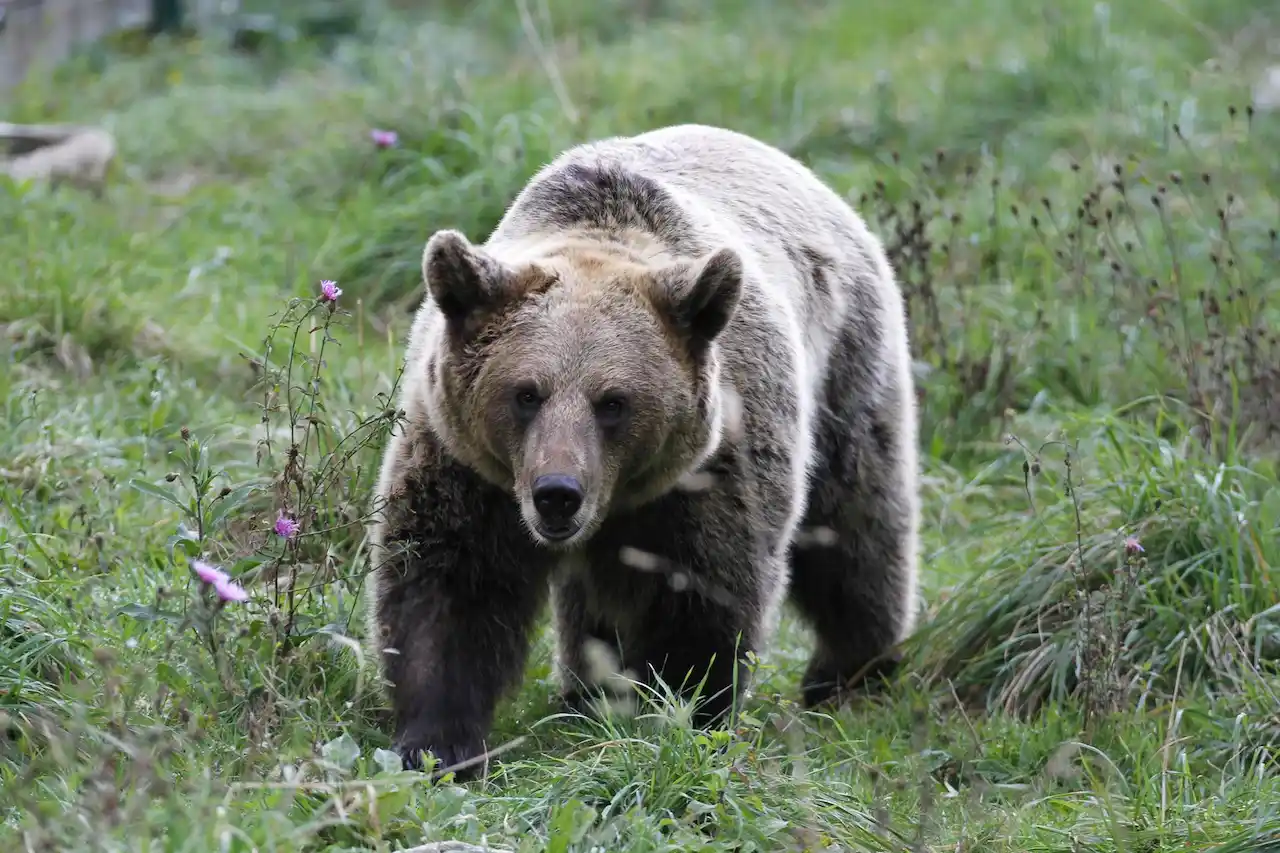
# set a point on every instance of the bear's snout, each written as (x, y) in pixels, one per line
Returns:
(557, 498)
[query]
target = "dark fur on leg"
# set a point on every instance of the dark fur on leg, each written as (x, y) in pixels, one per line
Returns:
(701, 647)
(688, 599)
(852, 579)
(456, 598)
(824, 682)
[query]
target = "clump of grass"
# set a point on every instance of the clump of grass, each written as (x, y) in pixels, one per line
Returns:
(77, 322)
(1141, 565)
(455, 166)
(36, 658)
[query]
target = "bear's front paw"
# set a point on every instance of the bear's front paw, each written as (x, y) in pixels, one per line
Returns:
(449, 753)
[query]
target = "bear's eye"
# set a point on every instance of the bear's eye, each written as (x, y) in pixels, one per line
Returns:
(527, 401)
(611, 410)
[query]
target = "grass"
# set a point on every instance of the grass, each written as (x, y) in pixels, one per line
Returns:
(1082, 207)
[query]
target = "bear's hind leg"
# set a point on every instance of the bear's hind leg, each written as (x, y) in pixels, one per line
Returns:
(698, 590)
(853, 565)
(697, 646)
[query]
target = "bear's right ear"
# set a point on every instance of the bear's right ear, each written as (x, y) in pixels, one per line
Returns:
(464, 282)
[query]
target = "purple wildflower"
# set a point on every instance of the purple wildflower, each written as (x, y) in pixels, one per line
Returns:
(329, 291)
(286, 527)
(1132, 546)
(223, 585)
(383, 138)
(229, 590)
(207, 573)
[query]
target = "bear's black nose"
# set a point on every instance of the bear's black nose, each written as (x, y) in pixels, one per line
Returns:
(557, 497)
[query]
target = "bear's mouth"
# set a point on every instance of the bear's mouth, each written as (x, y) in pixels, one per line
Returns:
(557, 532)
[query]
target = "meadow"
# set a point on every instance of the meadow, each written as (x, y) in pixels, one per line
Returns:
(1081, 202)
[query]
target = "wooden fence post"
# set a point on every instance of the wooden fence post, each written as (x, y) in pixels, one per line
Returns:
(166, 16)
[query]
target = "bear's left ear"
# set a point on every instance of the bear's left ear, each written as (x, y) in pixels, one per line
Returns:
(464, 281)
(700, 296)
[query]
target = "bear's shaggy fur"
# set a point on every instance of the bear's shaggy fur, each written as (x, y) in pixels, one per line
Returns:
(672, 388)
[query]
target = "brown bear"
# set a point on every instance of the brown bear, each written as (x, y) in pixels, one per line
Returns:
(670, 389)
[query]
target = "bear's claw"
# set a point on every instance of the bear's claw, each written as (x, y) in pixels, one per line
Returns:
(448, 756)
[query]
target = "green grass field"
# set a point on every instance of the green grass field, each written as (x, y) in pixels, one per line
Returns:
(1082, 206)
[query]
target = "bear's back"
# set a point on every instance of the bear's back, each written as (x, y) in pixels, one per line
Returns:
(814, 267)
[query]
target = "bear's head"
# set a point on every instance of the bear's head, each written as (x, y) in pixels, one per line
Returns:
(583, 380)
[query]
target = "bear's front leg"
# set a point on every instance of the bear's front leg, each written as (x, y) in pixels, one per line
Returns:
(457, 587)
(450, 658)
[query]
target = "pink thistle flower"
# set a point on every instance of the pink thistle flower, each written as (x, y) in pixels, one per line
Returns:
(384, 138)
(223, 585)
(1132, 546)
(207, 573)
(229, 590)
(286, 527)
(329, 291)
